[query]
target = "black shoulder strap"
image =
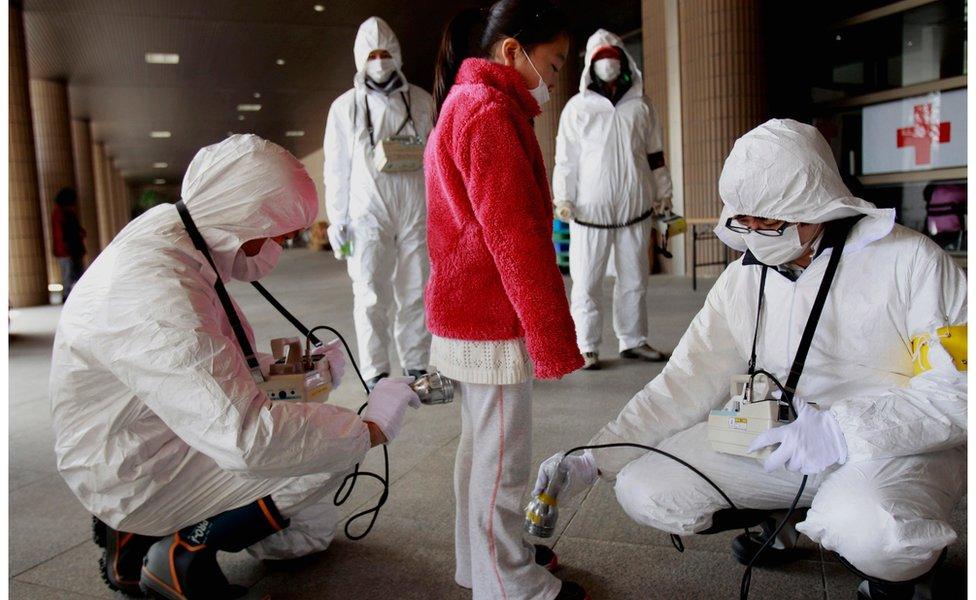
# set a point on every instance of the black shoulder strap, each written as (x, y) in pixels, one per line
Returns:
(838, 235)
(755, 336)
(232, 316)
(818, 305)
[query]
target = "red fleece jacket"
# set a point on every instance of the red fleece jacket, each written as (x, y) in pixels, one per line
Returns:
(493, 269)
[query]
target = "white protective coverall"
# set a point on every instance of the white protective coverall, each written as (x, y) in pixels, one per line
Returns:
(602, 167)
(385, 213)
(158, 421)
(886, 509)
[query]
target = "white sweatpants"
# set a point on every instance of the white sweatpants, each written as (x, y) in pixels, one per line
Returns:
(490, 474)
(887, 517)
(589, 253)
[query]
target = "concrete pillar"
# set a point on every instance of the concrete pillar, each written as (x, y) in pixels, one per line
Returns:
(722, 91)
(113, 194)
(103, 193)
(123, 201)
(27, 277)
(654, 44)
(52, 143)
(85, 180)
(547, 123)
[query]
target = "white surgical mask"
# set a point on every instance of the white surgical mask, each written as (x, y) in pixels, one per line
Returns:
(252, 268)
(380, 69)
(776, 250)
(541, 91)
(607, 69)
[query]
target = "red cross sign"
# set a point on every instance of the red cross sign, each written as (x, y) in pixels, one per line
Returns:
(923, 134)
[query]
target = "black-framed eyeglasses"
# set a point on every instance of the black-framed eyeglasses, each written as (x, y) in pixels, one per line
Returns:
(734, 225)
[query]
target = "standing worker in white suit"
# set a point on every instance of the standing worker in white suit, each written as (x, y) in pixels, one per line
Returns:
(378, 218)
(610, 178)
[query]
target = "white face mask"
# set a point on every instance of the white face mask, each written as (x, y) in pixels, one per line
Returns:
(607, 69)
(380, 69)
(541, 91)
(252, 268)
(776, 250)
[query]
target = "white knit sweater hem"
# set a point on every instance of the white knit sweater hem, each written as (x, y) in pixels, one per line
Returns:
(486, 362)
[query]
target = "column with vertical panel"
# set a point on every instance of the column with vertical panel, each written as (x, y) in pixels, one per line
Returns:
(55, 165)
(103, 193)
(27, 275)
(85, 184)
(722, 96)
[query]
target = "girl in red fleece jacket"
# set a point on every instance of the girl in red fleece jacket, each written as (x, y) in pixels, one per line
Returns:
(496, 303)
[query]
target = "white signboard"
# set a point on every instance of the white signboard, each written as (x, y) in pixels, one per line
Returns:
(915, 134)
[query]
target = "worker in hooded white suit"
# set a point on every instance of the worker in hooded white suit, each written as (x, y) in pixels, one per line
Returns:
(159, 424)
(380, 217)
(609, 177)
(895, 438)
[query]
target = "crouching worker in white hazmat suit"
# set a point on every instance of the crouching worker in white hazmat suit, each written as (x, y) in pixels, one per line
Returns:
(609, 180)
(378, 218)
(161, 430)
(881, 436)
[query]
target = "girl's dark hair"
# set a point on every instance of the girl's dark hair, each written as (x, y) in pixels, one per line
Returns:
(473, 33)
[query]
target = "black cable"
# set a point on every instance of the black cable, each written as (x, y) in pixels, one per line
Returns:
(290, 317)
(351, 479)
(746, 581)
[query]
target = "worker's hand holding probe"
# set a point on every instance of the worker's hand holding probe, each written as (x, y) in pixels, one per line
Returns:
(582, 473)
(387, 404)
(333, 353)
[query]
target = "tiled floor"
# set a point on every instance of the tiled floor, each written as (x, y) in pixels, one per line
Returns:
(410, 552)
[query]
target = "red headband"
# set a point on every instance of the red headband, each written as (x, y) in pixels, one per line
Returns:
(606, 52)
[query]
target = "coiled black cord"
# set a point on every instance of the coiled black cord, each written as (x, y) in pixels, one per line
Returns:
(746, 581)
(349, 481)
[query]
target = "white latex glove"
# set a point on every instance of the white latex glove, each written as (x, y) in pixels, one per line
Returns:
(387, 404)
(810, 444)
(582, 473)
(336, 357)
(339, 239)
(565, 211)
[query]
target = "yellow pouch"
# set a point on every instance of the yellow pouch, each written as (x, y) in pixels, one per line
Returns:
(953, 339)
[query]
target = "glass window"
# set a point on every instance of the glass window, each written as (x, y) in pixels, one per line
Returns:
(924, 44)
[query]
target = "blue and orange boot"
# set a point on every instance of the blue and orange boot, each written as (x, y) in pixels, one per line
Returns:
(122, 558)
(183, 566)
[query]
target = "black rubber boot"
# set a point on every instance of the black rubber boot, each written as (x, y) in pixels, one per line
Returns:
(873, 590)
(415, 373)
(122, 558)
(572, 591)
(98, 531)
(370, 384)
(745, 546)
(545, 557)
(183, 566)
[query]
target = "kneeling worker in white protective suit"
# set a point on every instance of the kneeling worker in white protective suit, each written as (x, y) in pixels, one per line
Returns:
(881, 438)
(379, 218)
(609, 180)
(161, 430)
